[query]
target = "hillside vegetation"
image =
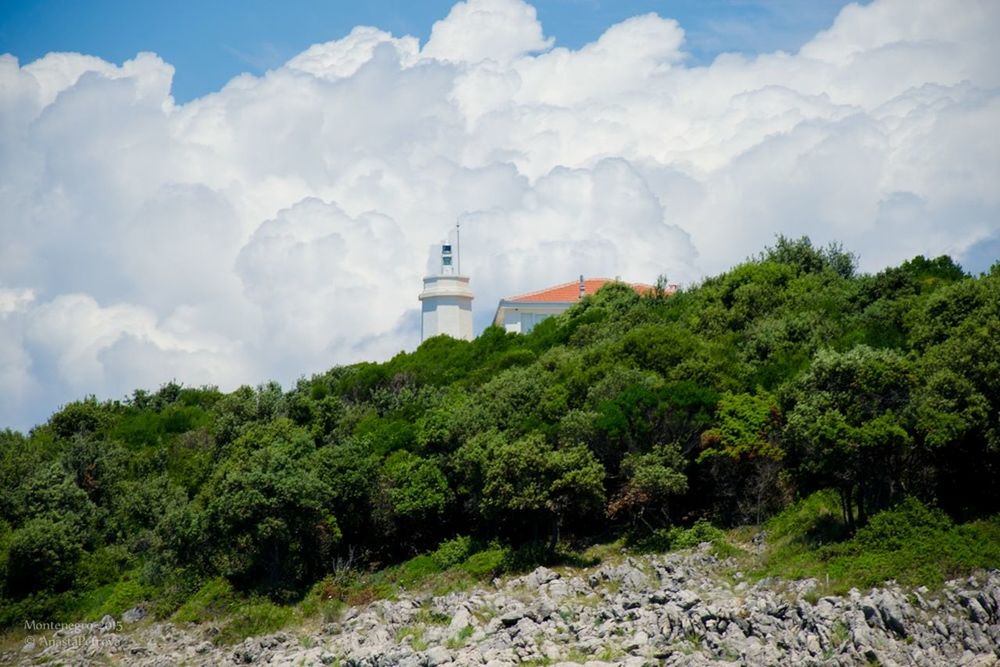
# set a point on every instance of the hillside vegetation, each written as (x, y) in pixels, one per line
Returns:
(854, 416)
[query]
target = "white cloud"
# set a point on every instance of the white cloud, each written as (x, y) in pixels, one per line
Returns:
(342, 58)
(282, 224)
(477, 30)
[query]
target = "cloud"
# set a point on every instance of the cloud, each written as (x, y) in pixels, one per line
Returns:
(282, 224)
(342, 58)
(478, 30)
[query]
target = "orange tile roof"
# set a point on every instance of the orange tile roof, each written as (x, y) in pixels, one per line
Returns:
(570, 292)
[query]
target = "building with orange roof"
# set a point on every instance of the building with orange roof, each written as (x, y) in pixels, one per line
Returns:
(520, 314)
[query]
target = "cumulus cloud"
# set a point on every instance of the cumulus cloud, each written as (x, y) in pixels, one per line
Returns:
(282, 224)
(477, 30)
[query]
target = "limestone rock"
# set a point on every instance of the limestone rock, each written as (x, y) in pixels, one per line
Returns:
(684, 608)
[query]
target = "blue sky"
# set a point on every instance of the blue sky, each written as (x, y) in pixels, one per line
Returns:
(211, 41)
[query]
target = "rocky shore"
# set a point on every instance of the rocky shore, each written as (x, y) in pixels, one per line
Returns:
(685, 608)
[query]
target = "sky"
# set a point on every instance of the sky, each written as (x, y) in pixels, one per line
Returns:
(209, 43)
(226, 193)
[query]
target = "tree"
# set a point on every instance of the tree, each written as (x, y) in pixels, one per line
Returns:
(651, 479)
(350, 471)
(239, 410)
(42, 555)
(414, 496)
(529, 483)
(958, 402)
(267, 517)
(849, 422)
(511, 399)
(806, 258)
(86, 417)
(744, 454)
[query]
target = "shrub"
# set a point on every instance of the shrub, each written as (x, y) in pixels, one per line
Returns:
(816, 518)
(257, 616)
(214, 598)
(113, 598)
(452, 552)
(911, 543)
(485, 564)
(324, 600)
(701, 531)
(677, 537)
(896, 528)
(415, 570)
(42, 556)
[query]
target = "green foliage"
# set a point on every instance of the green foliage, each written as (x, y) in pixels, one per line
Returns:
(651, 480)
(113, 598)
(417, 569)
(253, 619)
(529, 482)
(894, 530)
(485, 564)
(82, 418)
(815, 519)
(800, 254)
(416, 489)
(266, 512)
(41, 556)
(748, 427)
(851, 424)
(240, 617)
(678, 537)
(627, 414)
(214, 599)
(452, 552)
(910, 543)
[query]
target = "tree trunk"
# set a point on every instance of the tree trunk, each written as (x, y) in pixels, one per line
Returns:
(845, 504)
(554, 536)
(862, 512)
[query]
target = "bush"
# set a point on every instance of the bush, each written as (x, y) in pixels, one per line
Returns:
(114, 598)
(324, 600)
(240, 617)
(897, 528)
(676, 537)
(910, 543)
(42, 556)
(415, 570)
(258, 616)
(816, 519)
(215, 598)
(701, 531)
(485, 564)
(452, 552)
(101, 566)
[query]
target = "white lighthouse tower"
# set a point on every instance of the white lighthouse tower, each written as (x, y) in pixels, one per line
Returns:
(447, 299)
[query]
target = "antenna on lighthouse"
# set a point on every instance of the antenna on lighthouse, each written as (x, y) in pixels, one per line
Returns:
(458, 248)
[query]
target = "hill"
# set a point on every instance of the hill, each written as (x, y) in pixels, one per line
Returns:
(632, 418)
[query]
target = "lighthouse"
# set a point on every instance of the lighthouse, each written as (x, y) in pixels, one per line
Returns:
(446, 302)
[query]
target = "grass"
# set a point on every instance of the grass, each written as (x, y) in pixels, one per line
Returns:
(257, 617)
(113, 598)
(238, 616)
(677, 537)
(415, 635)
(910, 543)
(459, 640)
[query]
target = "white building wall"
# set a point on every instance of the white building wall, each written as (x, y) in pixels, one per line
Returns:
(447, 315)
(446, 307)
(517, 317)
